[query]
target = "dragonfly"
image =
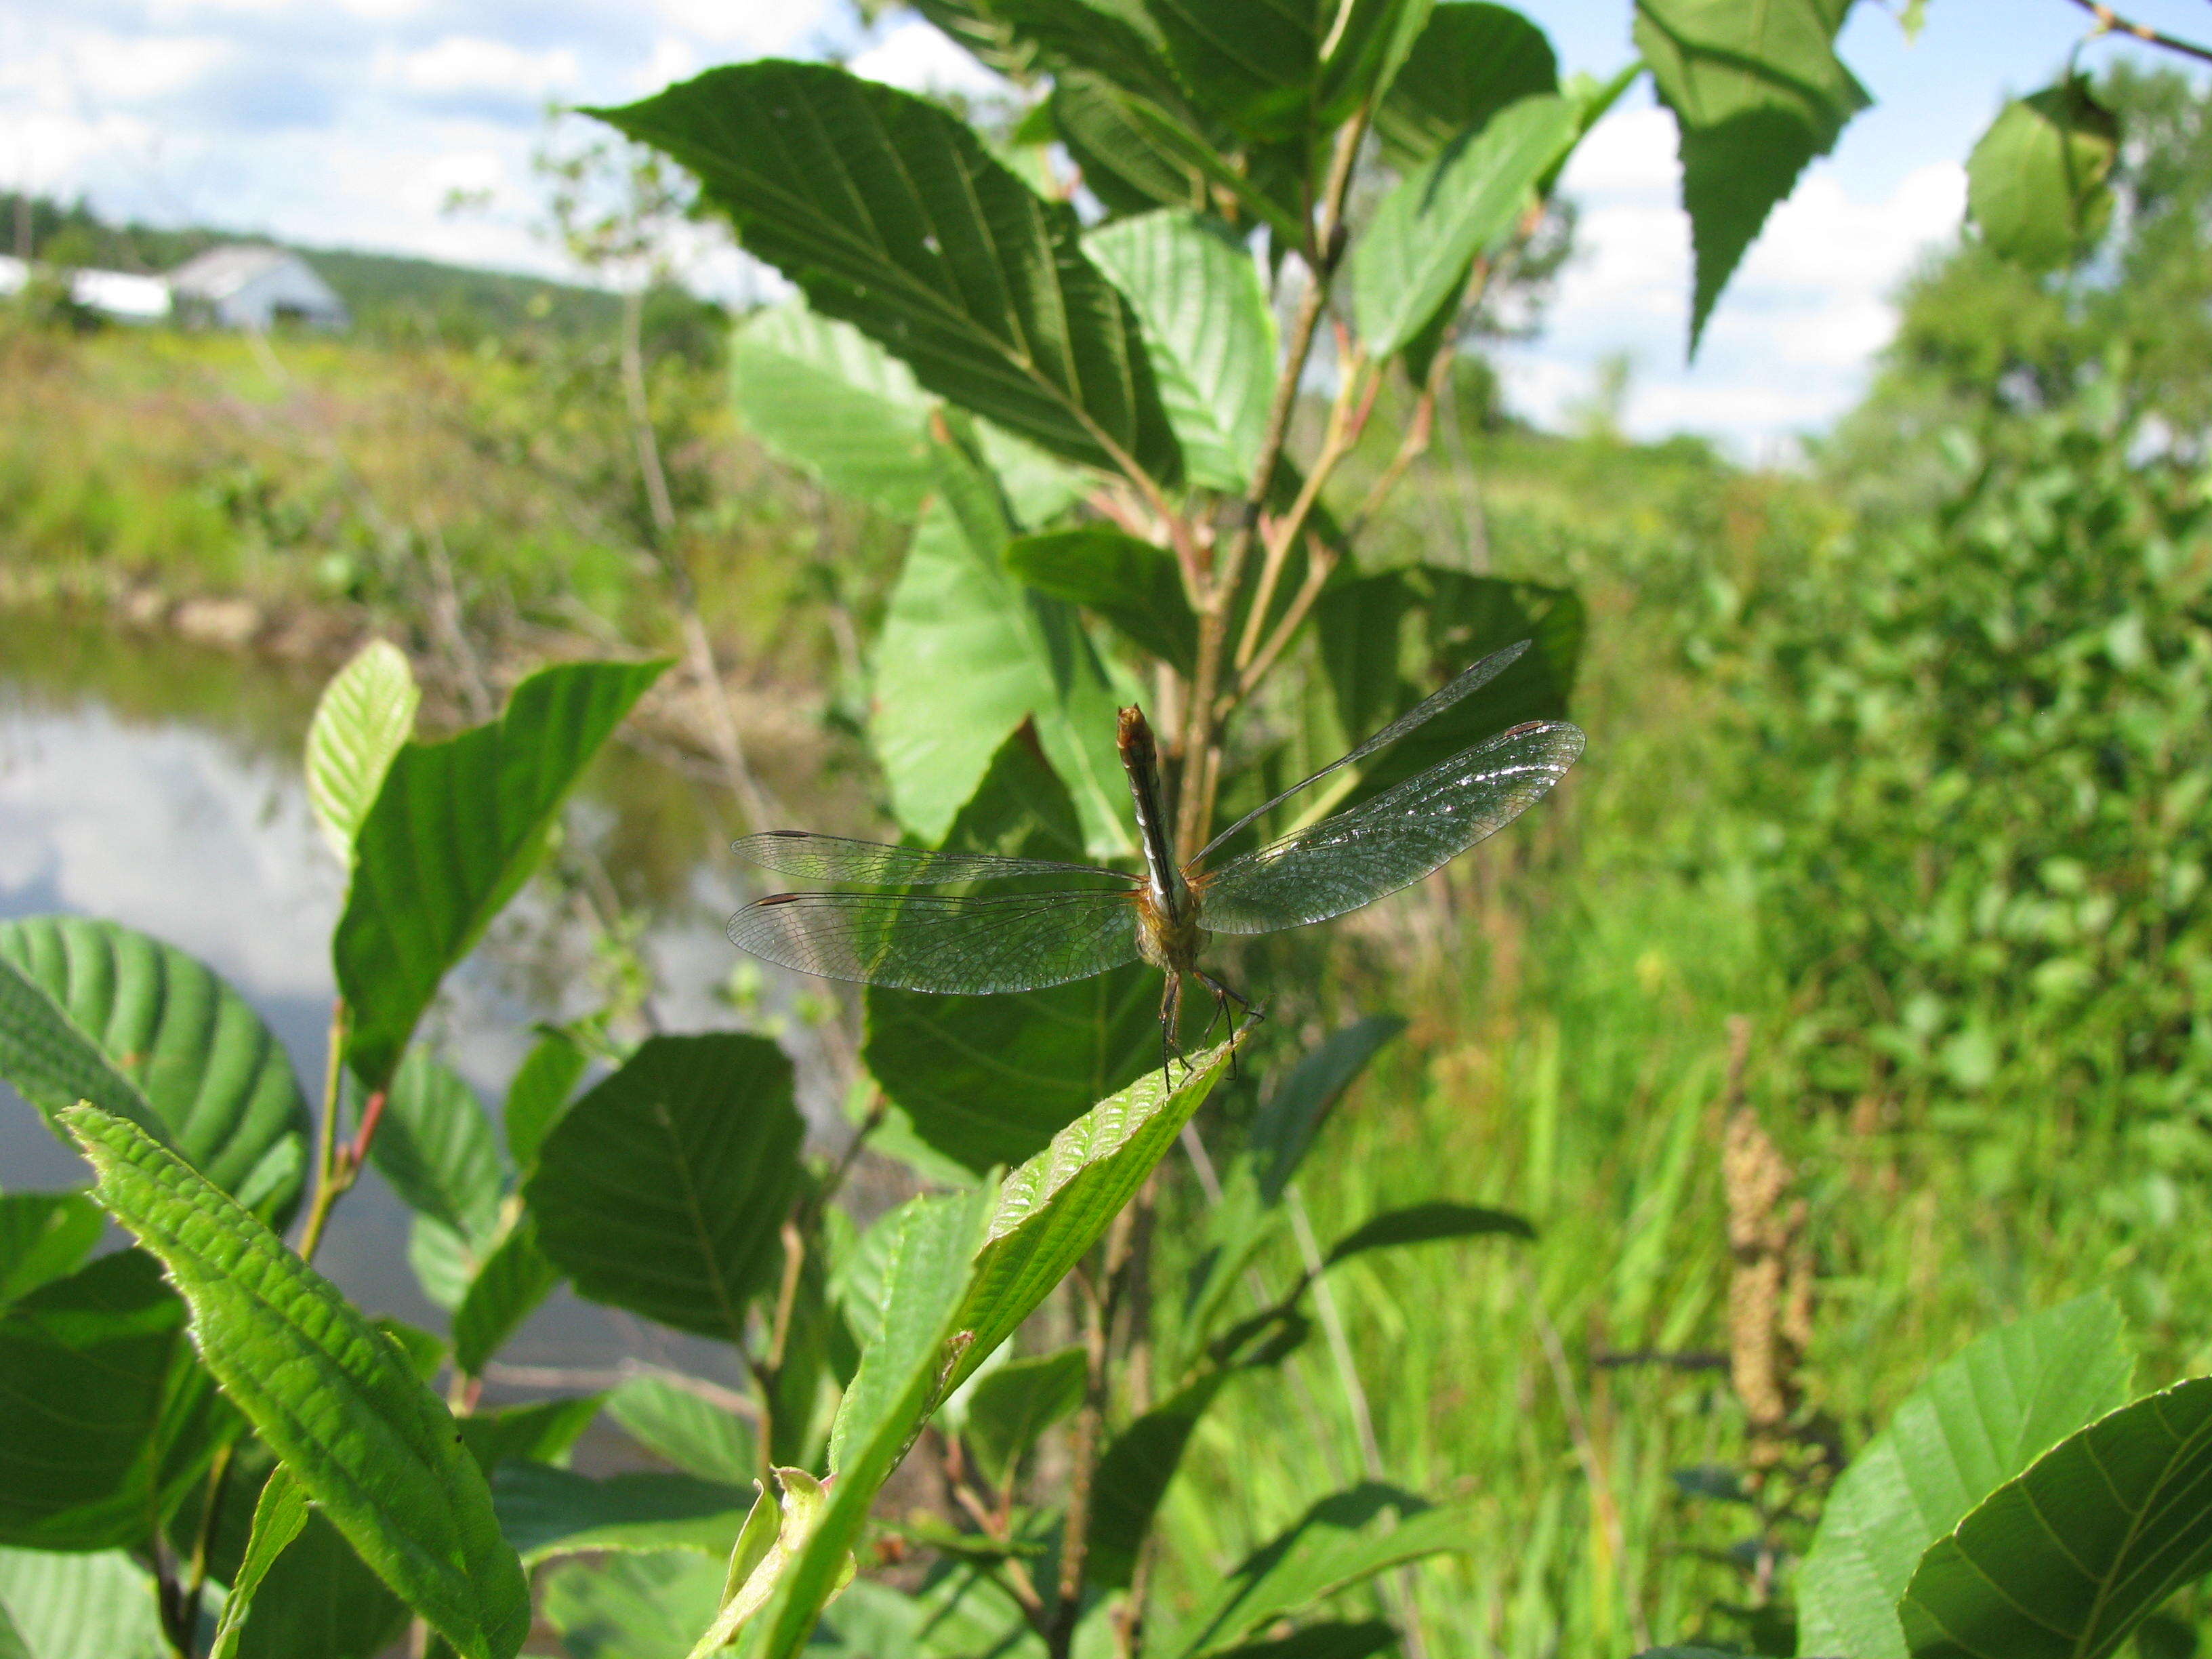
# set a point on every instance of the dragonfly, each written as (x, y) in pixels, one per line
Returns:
(1083, 918)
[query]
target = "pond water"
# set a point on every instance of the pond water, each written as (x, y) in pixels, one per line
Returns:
(158, 785)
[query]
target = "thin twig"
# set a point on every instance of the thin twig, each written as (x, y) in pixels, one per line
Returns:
(2110, 22)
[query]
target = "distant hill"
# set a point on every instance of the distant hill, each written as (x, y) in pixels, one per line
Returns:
(389, 295)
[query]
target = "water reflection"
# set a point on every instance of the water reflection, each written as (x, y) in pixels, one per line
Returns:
(158, 785)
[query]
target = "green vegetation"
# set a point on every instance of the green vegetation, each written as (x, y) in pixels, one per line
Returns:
(1758, 1201)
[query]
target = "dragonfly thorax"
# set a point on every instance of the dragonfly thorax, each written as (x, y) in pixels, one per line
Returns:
(1168, 935)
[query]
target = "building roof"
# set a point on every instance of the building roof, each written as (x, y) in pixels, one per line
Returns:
(221, 272)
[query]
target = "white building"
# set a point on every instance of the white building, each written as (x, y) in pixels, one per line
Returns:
(116, 293)
(254, 288)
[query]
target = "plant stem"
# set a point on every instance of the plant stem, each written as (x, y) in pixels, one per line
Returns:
(1090, 1432)
(331, 1178)
(1193, 808)
(211, 1518)
(2110, 22)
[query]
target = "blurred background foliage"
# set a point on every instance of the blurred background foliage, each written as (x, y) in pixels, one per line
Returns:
(1902, 756)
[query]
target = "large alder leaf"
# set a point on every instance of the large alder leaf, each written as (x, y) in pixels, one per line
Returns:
(331, 1395)
(514, 1279)
(319, 1597)
(1131, 585)
(1340, 1540)
(989, 1079)
(1058, 1205)
(1464, 204)
(1756, 92)
(1210, 329)
(43, 1236)
(902, 1378)
(80, 1605)
(547, 1512)
(967, 654)
(632, 1607)
(1138, 153)
(2063, 1561)
(888, 213)
(1979, 1421)
(365, 714)
(540, 1092)
(1254, 62)
(825, 397)
(2036, 184)
(110, 1421)
(696, 1435)
(213, 1073)
(664, 1188)
(456, 830)
(436, 1146)
(1471, 60)
(52, 1064)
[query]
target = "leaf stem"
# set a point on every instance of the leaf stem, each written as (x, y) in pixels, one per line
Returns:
(2110, 22)
(328, 1185)
(1200, 725)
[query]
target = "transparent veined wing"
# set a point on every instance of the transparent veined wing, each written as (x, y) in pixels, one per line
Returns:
(876, 864)
(1388, 843)
(1470, 679)
(962, 945)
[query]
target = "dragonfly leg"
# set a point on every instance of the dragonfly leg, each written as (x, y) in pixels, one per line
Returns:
(1171, 1011)
(1222, 996)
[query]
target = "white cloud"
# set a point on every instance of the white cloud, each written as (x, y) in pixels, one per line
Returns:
(1788, 346)
(463, 62)
(914, 56)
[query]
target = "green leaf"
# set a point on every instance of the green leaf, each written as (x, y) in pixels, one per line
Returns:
(697, 1435)
(1131, 584)
(1329, 1641)
(1979, 1421)
(1471, 60)
(110, 1420)
(329, 1394)
(776, 1537)
(2036, 182)
(1283, 1131)
(546, 1511)
(44, 1236)
(436, 1147)
(514, 1279)
(989, 1079)
(1458, 620)
(1021, 38)
(966, 655)
(1251, 62)
(888, 213)
(902, 1375)
(1370, 41)
(212, 1071)
(545, 1432)
(1756, 92)
(538, 1093)
(2065, 1559)
(1133, 1477)
(445, 1262)
(1426, 1223)
(318, 1598)
(1057, 1206)
(1463, 206)
(632, 1607)
(663, 1189)
(1210, 330)
(80, 1605)
(456, 830)
(365, 714)
(825, 397)
(278, 1515)
(52, 1063)
(1008, 1409)
(1340, 1540)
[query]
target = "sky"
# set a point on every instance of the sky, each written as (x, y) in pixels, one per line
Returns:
(353, 123)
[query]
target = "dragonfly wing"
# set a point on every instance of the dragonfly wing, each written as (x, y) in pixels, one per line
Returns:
(951, 944)
(875, 864)
(1467, 680)
(1388, 843)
